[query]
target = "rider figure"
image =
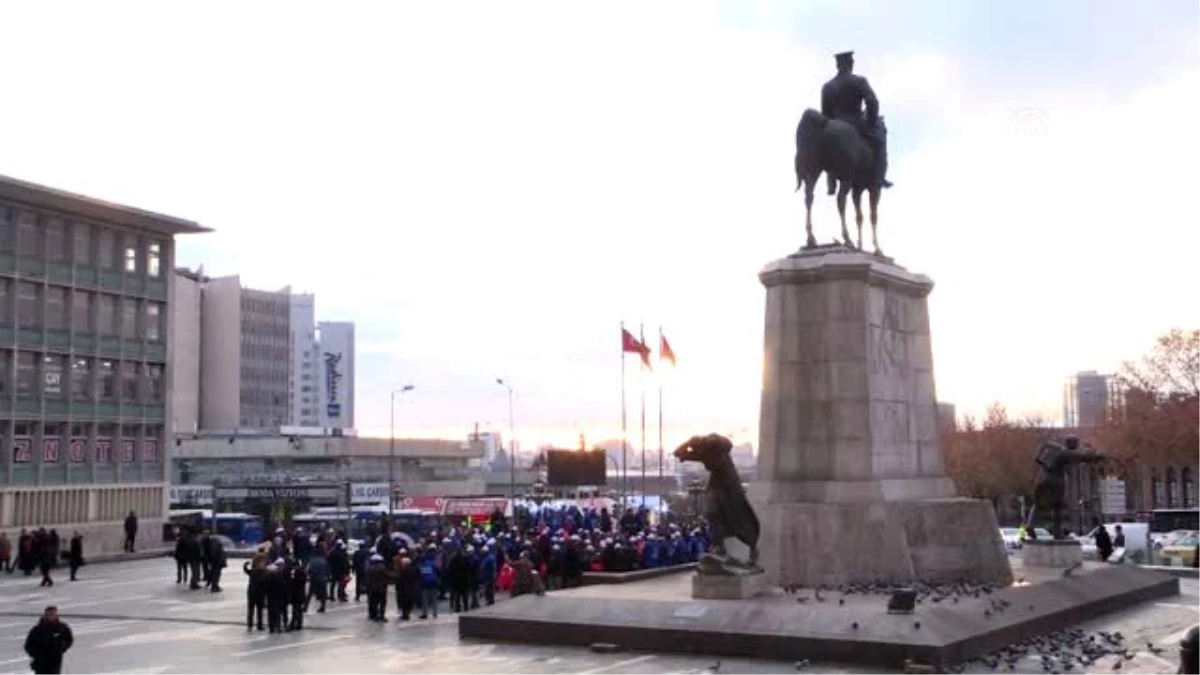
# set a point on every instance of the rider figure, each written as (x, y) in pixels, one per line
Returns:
(843, 98)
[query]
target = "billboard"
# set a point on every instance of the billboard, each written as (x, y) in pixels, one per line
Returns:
(335, 367)
(571, 468)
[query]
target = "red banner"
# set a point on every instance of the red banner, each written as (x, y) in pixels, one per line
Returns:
(78, 450)
(424, 503)
(50, 450)
(22, 451)
(127, 448)
(103, 450)
(150, 450)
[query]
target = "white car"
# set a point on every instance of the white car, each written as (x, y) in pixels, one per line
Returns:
(1011, 537)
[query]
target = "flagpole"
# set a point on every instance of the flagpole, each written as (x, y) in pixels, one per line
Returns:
(660, 413)
(642, 388)
(624, 433)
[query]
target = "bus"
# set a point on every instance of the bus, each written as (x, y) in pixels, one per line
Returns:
(243, 529)
(360, 519)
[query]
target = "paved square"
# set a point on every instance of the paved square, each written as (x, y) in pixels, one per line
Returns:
(131, 617)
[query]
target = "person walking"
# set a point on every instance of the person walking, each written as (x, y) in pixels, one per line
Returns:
(47, 642)
(75, 554)
(131, 528)
(6, 553)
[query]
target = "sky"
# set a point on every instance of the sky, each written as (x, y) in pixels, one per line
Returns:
(490, 189)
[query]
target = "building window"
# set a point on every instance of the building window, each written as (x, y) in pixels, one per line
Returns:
(81, 379)
(5, 367)
(1158, 493)
(106, 315)
(1171, 488)
(56, 240)
(29, 237)
(128, 318)
(153, 321)
(5, 301)
(27, 363)
(81, 311)
(81, 243)
(8, 235)
(154, 382)
(129, 381)
(154, 259)
(56, 308)
(1187, 485)
(105, 244)
(131, 257)
(27, 305)
(52, 371)
(108, 380)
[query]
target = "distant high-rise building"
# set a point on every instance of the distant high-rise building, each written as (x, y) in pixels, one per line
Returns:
(947, 416)
(304, 380)
(335, 340)
(1086, 399)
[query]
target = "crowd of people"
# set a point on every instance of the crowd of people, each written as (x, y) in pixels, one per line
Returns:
(40, 550)
(465, 566)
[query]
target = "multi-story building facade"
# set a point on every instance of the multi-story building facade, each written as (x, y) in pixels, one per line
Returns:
(85, 328)
(304, 380)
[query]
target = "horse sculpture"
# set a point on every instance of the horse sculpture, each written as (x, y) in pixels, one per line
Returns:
(836, 147)
(726, 507)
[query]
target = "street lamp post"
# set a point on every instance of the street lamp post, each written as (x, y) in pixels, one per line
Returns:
(392, 457)
(512, 456)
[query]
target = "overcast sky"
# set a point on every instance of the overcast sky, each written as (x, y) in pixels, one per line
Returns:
(489, 189)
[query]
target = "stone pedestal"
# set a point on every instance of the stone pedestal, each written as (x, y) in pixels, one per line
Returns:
(728, 587)
(1057, 553)
(851, 484)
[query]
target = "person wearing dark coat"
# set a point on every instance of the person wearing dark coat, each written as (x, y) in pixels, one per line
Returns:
(191, 552)
(318, 578)
(277, 597)
(131, 528)
(379, 578)
(55, 544)
(339, 572)
(75, 554)
(457, 578)
(181, 563)
(45, 558)
(47, 642)
(360, 573)
(296, 574)
(256, 591)
(409, 587)
(1104, 544)
(216, 563)
(206, 559)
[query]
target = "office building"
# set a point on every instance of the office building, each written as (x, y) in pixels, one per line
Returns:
(1086, 399)
(304, 378)
(85, 338)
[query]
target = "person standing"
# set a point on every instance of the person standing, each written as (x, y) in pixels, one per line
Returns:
(131, 527)
(256, 590)
(318, 578)
(45, 562)
(75, 554)
(6, 553)
(47, 642)
(216, 563)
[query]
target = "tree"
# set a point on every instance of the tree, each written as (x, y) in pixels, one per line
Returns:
(994, 459)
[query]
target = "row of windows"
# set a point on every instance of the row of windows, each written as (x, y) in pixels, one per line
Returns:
(58, 308)
(1170, 493)
(83, 379)
(80, 429)
(41, 236)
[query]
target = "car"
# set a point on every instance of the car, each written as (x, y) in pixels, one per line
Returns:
(1183, 548)
(1161, 539)
(1011, 537)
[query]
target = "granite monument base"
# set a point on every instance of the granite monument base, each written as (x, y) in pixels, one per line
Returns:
(1056, 553)
(659, 616)
(936, 540)
(728, 587)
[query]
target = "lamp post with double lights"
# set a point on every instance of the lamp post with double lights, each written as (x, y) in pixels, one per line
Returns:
(512, 447)
(392, 456)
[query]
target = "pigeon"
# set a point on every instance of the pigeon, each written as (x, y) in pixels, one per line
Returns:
(1117, 665)
(841, 601)
(917, 625)
(802, 664)
(715, 668)
(854, 625)
(1154, 649)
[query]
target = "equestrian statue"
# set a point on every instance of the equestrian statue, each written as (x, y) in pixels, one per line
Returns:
(847, 141)
(726, 507)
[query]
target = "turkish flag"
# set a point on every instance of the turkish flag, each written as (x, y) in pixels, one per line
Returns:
(632, 345)
(665, 353)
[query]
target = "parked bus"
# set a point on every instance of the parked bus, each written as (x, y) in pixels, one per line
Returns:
(358, 520)
(243, 529)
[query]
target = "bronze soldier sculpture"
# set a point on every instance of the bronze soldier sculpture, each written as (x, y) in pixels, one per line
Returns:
(847, 141)
(726, 507)
(849, 98)
(1050, 491)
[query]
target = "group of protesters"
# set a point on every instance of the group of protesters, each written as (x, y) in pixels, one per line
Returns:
(466, 566)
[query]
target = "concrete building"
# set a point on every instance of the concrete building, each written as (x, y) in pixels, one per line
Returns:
(185, 351)
(1086, 399)
(335, 340)
(422, 466)
(303, 394)
(947, 416)
(86, 328)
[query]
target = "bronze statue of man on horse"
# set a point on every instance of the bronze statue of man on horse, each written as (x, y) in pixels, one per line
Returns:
(847, 141)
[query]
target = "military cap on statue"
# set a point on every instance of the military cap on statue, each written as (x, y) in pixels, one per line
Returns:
(843, 57)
